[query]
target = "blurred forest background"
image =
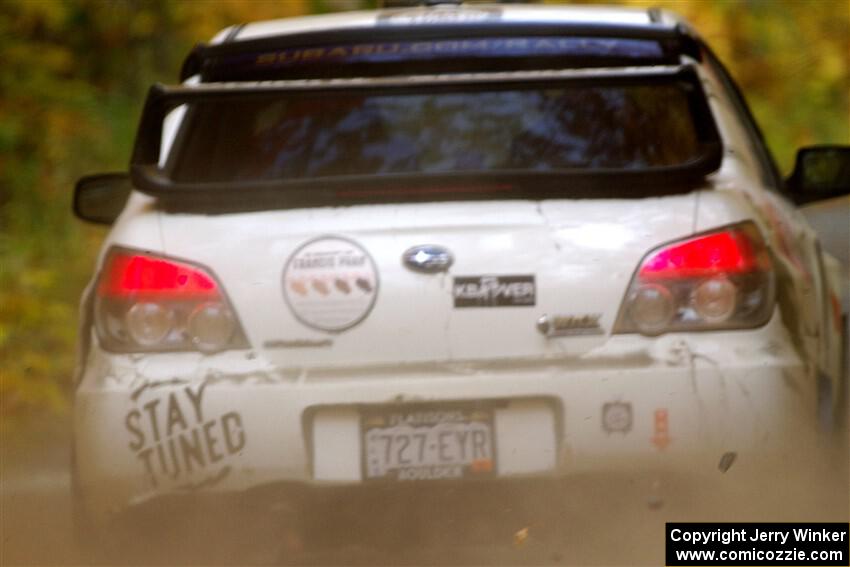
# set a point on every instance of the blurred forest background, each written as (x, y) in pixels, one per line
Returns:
(74, 74)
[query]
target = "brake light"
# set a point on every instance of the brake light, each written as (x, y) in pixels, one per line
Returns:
(718, 280)
(147, 303)
(726, 252)
(130, 274)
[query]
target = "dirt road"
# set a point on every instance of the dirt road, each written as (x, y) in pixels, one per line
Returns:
(591, 522)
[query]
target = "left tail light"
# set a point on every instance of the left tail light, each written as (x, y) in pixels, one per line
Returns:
(721, 279)
(148, 303)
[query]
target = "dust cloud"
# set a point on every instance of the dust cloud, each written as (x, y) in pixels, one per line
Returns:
(601, 520)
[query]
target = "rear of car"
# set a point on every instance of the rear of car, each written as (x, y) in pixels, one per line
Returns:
(498, 245)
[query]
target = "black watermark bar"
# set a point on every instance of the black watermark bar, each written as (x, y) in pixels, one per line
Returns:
(820, 544)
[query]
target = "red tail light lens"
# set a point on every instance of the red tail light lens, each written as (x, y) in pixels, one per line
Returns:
(128, 274)
(147, 303)
(724, 253)
(719, 280)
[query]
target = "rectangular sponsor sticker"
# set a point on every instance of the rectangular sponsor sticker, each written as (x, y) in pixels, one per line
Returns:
(494, 291)
(757, 544)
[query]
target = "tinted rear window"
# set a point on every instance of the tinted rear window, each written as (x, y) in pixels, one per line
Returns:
(345, 133)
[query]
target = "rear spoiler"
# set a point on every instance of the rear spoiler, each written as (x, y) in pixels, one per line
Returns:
(211, 60)
(150, 178)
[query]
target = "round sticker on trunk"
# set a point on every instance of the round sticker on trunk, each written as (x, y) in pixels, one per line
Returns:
(330, 283)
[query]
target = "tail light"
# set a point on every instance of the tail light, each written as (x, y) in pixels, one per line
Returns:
(146, 303)
(718, 280)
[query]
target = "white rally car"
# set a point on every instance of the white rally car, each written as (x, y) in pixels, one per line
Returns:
(448, 246)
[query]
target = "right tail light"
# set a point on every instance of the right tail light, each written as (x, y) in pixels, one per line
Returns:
(721, 279)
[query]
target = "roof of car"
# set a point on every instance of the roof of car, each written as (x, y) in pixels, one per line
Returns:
(460, 14)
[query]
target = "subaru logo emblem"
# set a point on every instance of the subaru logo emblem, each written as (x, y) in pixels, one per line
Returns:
(428, 258)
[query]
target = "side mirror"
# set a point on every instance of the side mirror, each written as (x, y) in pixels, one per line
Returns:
(101, 198)
(821, 172)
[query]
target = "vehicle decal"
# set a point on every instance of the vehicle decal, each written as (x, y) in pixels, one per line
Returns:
(617, 417)
(176, 442)
(389, 52)
(158, 384)
(494, 291)
(570, 325)
(419, 16)
(661, 430)
(330, 284)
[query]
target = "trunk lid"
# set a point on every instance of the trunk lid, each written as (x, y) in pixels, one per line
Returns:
(514, 262)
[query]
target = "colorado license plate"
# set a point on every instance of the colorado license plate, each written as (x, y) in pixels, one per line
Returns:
(427, 443)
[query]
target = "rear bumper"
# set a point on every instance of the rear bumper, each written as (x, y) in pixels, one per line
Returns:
(153, 426)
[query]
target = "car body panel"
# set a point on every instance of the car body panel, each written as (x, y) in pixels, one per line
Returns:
(580, 260)
(831, 220)
(742, 391)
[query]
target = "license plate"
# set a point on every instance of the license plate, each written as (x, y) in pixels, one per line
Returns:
(427, 443)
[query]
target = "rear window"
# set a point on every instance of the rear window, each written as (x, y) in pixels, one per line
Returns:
(596, 133)
(343, 133)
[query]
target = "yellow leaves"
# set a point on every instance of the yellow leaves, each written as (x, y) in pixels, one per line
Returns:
(143, 25)
(5, 332)
(30, 309)
(207, 17)
(57, 59)
(833, 66)
(38, 280)
(521, 537)
(28, 390)
(36, 342)
(40, 13)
